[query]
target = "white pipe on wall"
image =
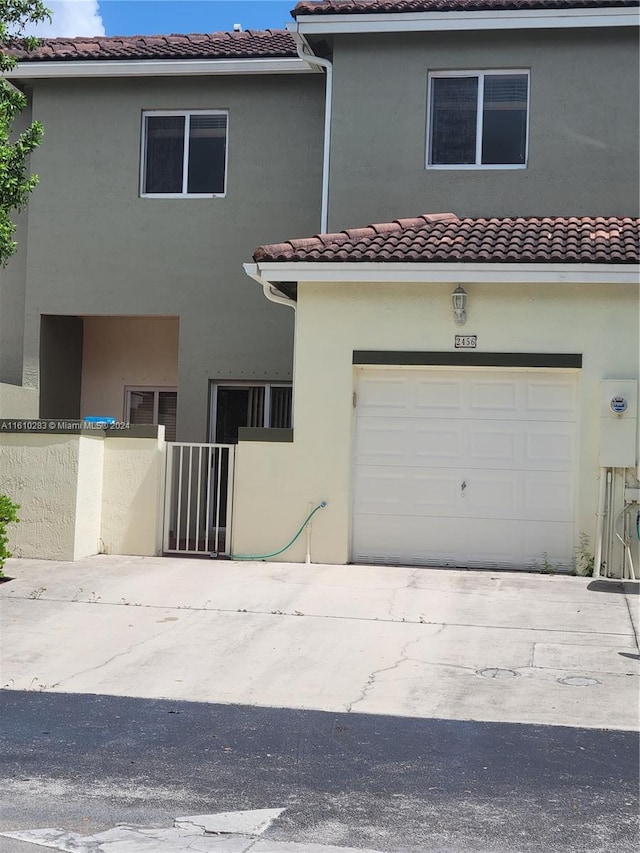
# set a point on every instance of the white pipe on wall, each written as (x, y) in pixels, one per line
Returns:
(604, 473)
(305, 52)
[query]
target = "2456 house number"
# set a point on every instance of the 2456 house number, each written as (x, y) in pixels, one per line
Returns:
(466, 341)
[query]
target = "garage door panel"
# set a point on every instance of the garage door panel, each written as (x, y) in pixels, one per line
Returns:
(440, 397)
(380, 538)
(550, 444)
(383, 442)
(421, 492)
(406, 491)
(465, 444)
(557, 397)
(464, 467)
(542, 541)
(549, 495)
(480, 543)
(383, 394)
(492, 395)
(407, 441)
(492, 445)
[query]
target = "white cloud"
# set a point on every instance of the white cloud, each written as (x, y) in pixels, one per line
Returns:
(70, 18)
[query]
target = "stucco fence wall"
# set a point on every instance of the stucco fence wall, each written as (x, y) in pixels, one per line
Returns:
(275, 483)
(83, 494)
(17, 401)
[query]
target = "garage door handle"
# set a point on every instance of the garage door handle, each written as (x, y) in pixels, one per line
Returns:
(463, 485)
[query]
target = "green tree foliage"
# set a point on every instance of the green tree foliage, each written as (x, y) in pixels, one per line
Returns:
(15, 183)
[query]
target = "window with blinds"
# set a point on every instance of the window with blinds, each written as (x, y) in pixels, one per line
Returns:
(478, 119)
(151, 406)
(184, 153)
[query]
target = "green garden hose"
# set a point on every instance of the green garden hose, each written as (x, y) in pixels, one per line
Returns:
(288, 545)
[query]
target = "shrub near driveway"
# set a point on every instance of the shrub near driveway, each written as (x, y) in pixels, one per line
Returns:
(8, 515)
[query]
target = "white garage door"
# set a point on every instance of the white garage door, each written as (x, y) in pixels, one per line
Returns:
(472, 467)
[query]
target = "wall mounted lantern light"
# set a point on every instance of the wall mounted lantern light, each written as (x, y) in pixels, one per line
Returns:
(459, 302)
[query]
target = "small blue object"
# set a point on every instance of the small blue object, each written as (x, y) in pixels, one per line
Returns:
(94, 420)
(618, 405)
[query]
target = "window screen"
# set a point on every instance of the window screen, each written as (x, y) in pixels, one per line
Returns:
(479, 120)
(185, 154)
(454, 116)
(165, 154)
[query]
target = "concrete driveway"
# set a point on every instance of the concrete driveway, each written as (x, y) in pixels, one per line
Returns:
(488, 646)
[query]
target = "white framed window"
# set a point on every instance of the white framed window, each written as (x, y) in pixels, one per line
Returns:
(478, 119)
(184, 154)
(248, 404)
(151, 406)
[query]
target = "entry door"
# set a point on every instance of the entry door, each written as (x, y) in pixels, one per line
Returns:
(465, 467)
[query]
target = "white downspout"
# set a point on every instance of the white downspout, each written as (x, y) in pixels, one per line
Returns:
(253, 271)
(304, 52)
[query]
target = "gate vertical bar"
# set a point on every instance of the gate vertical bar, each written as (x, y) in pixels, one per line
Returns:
(218, 481)
(209, 475)
(168, 491)
(231, 468)
(199, 499)
(179, 512)
(189, 486)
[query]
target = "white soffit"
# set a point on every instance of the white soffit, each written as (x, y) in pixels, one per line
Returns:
(301, 271)
(490, 20)
(157, 67)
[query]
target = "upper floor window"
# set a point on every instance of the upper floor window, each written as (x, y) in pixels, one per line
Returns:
(184, 153)
(478, 118)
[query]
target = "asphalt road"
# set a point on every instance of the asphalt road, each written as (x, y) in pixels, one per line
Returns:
(87, 762)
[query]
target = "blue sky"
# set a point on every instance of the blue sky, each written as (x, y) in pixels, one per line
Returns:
(147, 17)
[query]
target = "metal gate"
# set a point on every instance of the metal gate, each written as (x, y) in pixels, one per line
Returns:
(198, 499)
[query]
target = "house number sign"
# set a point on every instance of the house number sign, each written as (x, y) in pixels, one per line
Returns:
(466, 341)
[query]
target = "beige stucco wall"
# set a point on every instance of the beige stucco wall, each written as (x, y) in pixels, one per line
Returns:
(83, 494)
(88, 496)
(132, 492)
(124, 351)
(276, 482)
(17, 401)
(40, 473)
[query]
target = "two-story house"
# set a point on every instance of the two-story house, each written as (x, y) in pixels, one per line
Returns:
(455, 366)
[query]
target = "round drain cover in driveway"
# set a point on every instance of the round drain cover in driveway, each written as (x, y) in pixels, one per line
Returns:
(578, 681)
(494, 672)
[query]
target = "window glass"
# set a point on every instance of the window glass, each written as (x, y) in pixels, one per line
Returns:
(141, 407)
(167, 404)
(280, 415)
(504, 126)
(151, 407)
(164, 154)
(207, 151)
(453, 119)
